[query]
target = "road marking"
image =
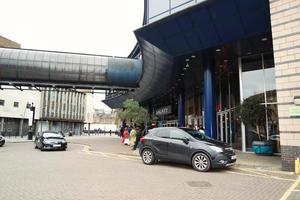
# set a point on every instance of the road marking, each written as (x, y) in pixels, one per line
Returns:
(265, 175)
(290, 190)
(260, 176)
(87, 149)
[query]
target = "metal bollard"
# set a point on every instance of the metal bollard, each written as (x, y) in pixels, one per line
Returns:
(297, 166)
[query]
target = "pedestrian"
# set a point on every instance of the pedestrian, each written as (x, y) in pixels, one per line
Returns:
(126, 137)
(132, 137)
(109, 132)
(139, 134)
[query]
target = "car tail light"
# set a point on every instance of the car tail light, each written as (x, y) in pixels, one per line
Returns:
(142, 140)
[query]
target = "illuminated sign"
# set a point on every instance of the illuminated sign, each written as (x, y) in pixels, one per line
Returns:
(164, 110)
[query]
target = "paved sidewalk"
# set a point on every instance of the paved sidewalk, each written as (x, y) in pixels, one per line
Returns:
(17, 139)
(245, 160)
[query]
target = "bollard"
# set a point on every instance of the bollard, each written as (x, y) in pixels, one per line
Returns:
(297, 166)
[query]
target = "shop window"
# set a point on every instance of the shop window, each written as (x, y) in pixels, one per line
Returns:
(2, 102)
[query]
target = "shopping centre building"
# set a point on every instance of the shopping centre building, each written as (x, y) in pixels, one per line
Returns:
(203, 58)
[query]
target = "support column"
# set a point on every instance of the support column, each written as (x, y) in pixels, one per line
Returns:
(2, 124)
(181, 114)
(210, 113)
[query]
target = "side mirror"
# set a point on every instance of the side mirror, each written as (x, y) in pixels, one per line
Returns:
(186, 140)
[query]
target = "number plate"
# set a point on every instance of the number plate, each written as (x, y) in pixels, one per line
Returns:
(233, 157)
(56, 145)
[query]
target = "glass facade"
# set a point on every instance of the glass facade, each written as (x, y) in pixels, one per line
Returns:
(258, 79)
(158, 9)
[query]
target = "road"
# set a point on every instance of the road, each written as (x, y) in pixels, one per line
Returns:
(101, 168)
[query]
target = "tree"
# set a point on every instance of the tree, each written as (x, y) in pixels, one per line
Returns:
(251, 112)
(133, 112)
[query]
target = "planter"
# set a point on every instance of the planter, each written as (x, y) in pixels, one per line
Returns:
(262, 147)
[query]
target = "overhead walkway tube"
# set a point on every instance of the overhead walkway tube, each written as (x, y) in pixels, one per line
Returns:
(61, 69)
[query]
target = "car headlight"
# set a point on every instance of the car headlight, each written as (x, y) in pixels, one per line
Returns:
(217, 149)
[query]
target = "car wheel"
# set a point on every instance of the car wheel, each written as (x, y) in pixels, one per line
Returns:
(201, 162)
(148, 157)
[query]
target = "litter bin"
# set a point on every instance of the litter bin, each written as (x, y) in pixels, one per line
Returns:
(30, 135)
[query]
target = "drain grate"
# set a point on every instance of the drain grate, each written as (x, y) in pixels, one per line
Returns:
(199, 184)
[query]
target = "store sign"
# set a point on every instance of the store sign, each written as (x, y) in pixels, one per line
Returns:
(294, 111)
(164, 110)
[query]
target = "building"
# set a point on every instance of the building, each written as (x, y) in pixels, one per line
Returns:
(62, 110)
(202, 59)
(14, 112)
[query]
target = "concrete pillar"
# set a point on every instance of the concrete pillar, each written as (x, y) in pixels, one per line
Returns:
(285, 17)
(209, 96)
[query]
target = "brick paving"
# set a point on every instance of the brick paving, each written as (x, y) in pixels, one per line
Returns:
(27, 173)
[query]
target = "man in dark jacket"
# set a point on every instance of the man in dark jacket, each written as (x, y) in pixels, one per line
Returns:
(139, 134)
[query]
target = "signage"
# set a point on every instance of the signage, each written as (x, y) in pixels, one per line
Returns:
(164, 110)
(297, 100)
(294, 111)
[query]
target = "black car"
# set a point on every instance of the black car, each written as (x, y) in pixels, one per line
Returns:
(187, 146)
(2, 140)
(50, 140)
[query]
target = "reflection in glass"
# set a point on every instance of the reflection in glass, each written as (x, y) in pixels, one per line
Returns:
(258, 77)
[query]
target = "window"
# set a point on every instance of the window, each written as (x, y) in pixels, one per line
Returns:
(2, 102)
(16, 104)
(165, 133)
(177, 134)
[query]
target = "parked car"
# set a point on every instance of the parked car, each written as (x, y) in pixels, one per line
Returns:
(184, 145)
(2, 140)
(50, 140)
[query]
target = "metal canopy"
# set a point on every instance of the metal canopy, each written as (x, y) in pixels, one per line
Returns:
(207, 25)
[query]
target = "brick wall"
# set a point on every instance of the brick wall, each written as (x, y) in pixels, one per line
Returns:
(285, 19)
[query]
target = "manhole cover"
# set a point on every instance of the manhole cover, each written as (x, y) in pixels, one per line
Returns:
(200, 184)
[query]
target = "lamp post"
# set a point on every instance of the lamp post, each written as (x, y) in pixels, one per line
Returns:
(31, 107)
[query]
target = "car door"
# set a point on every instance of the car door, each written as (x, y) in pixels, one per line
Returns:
(160, 143)
(178, 150)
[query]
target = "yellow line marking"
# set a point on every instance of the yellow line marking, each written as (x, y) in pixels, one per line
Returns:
(259, 176)
(290, 190)
(266, 175)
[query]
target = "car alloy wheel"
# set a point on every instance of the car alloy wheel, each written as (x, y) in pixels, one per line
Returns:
(148, 157)
(201, 162)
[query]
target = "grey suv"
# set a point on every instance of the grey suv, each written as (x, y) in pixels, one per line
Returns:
(186, 146)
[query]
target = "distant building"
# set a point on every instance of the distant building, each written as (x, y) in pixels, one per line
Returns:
(62, 110)
(14, 113)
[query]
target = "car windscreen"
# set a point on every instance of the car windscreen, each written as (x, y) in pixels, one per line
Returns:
(199, 135)
(52, 135)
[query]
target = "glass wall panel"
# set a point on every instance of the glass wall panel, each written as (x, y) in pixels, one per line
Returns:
(258, 77)
(158, 6)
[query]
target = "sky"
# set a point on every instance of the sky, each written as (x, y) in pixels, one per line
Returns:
(103, 27)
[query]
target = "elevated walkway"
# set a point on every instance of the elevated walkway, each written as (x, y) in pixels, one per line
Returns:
(26, 67)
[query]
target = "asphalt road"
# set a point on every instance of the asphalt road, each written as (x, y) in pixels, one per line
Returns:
(101, 168)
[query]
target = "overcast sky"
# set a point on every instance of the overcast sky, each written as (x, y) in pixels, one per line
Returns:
(102, 27)
(88, 26)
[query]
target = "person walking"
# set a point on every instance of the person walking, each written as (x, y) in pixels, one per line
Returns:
(132, 137)
(139, 134)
